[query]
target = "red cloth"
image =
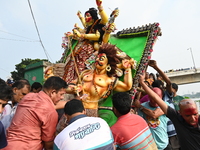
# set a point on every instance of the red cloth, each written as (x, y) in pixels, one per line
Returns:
(34, 121)
(144, 99)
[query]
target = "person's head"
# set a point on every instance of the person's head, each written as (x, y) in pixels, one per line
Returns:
(74, 107)
(158, 76)
(121, 103)
(152, 76)
(159, 92)
(174, 88)
(9, 82)
(55, 88)
(6, 94)
(188, 110)
(107, 57)
(91, 15)
(147, 75)
(36, 87)
(159, 84)
(20, 89)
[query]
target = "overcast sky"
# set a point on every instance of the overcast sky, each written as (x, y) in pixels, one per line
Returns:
(179, 21)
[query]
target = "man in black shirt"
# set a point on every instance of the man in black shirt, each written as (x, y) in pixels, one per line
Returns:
(186, 121)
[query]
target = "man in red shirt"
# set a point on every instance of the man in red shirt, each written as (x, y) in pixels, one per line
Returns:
(34, 124)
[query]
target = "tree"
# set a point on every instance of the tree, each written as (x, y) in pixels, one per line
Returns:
(20, 68)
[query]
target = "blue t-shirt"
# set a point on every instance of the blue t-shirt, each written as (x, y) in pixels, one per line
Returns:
(157, 126)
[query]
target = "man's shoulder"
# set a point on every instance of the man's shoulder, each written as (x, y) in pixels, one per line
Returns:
(86, 120)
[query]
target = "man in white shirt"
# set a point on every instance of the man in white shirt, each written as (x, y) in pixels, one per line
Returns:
(83, 132)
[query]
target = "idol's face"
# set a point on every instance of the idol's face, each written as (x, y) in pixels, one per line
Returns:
(88, 18)
(101, 61)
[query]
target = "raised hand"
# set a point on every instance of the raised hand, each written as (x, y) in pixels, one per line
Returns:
(98, 2)
(79, 14)
(142, 77)
(68, 34)
(152, 63)
(126, 63)
(76, 33)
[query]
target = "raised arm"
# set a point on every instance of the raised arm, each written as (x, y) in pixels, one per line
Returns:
(152, 113)
(126, 85)
(154, 65)
(102, 13)
(82, 19)
(152, 94)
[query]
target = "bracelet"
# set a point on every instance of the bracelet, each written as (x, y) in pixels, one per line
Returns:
(82, 36)
(126, 71)
(100, 8)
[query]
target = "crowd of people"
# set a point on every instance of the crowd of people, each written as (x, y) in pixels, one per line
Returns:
(156, 118)
(62, 114)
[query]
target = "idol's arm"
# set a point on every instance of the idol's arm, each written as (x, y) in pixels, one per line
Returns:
(102, 13)
(82, 19)
(126, 85)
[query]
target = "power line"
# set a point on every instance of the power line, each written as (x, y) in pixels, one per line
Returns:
(4, 70)
(17, 35)
(19, 40)
(39, 33)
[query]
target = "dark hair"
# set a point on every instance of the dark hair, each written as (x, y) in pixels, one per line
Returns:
(36, 85)
(110, 51)
(157, 75)
(175, 86)
(93, 13)
(55, 83)
(21, 83)
(122, 102)
(73, 106)
(159, 84)
(153, 75)
(6, 92)
(2, 83)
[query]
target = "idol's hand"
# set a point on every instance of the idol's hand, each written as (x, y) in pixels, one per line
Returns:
(76, 33)
(79, 14)
(115, 12)
(98, 2)
(68, 34)
(76, 25)
(126, 64)
(110, 28)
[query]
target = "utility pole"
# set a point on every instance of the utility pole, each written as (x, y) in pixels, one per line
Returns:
(192, 58)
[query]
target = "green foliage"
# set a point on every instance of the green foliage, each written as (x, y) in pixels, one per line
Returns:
(193, 95)
(20, 68)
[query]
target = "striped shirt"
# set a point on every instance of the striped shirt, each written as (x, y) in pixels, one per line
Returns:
(171, 131)
(132, 132)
